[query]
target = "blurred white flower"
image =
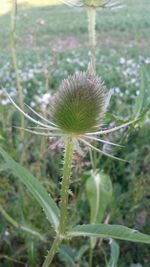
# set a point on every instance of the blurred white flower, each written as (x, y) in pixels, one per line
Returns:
(5, 102)
(45, 100)
(6, 233)
(41, 22)
(122, 60)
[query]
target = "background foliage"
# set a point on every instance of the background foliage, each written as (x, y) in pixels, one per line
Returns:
(52, 42)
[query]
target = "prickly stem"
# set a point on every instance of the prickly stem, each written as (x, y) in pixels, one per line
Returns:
(52, 252)
(64, 201)
(65, 184)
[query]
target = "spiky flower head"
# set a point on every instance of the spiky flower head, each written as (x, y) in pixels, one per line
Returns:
(75, 113)
(79, 105)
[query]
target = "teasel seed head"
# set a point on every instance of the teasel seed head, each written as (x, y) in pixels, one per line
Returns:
(79, 105)
(112, 4)
(76, 113)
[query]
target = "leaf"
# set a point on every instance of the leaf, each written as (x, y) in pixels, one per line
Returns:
(81, 251)
(143, 99)
(114, 256)
(36, 189)
(99, 193)
(140, 98)
(109, 231)
(32, 253)
(71, 256)
(3, 167)
(33, 232)
(1, 137)
(136, 265)
(67, 255)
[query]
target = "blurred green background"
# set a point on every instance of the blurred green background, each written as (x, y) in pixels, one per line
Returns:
(52, 43)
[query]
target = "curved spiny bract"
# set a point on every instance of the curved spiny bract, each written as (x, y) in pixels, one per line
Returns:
(93, 3)
(76, 112)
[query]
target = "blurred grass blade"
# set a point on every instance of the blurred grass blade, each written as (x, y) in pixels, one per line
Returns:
(32, 232)
(67, 256)
(32, 253)
(3, 167)
(114, 256)
(109, 231)
(81, 252)
(36, 189)
(136, 265)
(141, 97)
(20, 226)
(1, 137)
(8, 218)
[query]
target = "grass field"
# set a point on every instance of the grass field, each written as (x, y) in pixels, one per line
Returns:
(52, 43)
(57, 36)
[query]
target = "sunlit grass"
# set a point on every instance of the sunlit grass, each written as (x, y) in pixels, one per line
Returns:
(5, 5)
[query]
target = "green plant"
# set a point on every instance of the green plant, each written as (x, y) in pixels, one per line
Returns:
(51, 213)
(14, 58)
(76, 114)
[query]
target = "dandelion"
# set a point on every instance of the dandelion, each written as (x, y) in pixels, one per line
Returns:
(76, 113)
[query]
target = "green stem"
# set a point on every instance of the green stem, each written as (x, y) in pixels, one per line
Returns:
(64, 201)
(65, 185)
(14, 59)
(91, 257)
(91, 12)
(8, 218)
(52, 252)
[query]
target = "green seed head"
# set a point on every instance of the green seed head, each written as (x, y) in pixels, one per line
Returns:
(79, 105)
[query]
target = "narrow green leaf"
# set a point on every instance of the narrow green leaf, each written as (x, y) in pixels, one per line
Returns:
(80, 252)
(140, 98)
(32, 253)
(109, 231)
(3, 167)
(1, 137)
(67, 255)
(36, 189)
(99, 193)
(114, 256)
(33, 232)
